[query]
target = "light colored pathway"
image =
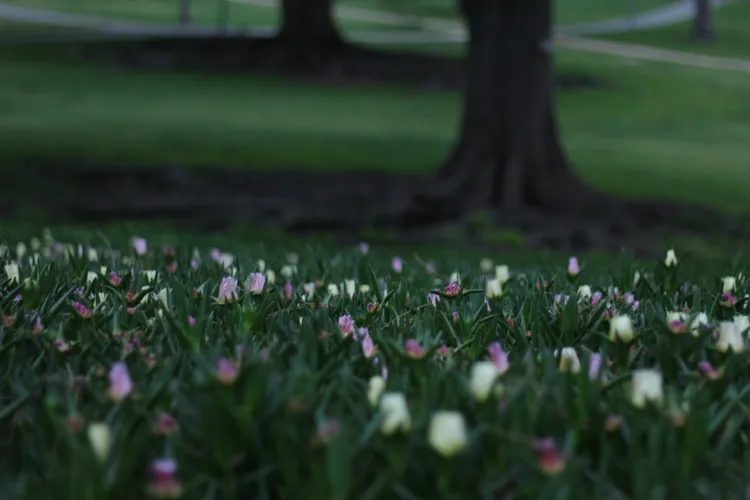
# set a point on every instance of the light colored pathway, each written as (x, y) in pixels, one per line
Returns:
(107, 28)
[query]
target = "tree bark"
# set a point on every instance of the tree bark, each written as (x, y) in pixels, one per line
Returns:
(309, 21)
(184, 12)
(508, 154)
(703, 30)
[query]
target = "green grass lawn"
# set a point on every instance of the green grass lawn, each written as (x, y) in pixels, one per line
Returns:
(732, 34)
(642, 135)
(244, 14)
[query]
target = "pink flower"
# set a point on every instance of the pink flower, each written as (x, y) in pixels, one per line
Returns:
(164, 482)
(364, 248)
(708, 370)
(728, 300)
(452, 289)
(369, 349)
(38, 326)
(551, 461)
(573, 267)
(82, 310)
(165, 425)
(120, 384)
(373, 307)
(115, 279)
(327, 430)
(443, 350)
(595, 365)
(139, 244)
(288, 290)
(193, 264)
(397, 264)
(131, 310)
(215, 254)
(346, 325)
(433, 298)
(172, 267)
(226, 373)
(455, 316)
(256, 283)
(191, 321)
(62, 346)
(227, 290)
(414, 350)
(498, 357)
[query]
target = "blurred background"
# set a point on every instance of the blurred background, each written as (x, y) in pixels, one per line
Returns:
(652, 99)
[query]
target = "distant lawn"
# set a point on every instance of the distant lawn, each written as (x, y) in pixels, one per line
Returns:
(732, 24)
(242, 13)
(659, 130)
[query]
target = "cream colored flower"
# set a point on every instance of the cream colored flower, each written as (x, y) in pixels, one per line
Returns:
(350, 286)
(163, 298)
(677, 321)
(271, 276)
(730, 336)
(700, 321)
(671, 259)
(636, 278)
(13, 273)
(333, 290)
(620, 327)
(502, 274)
(483, 376)
(455, 278)
(92, 255)
(150, 276)
(584, 291)
(395, 413)
(569, 361)
(91, 277)
(375, 388)
(100, 439)
(485, 265)
(364, 288)
(728, 284)
(743, 322)
(287, 271)
(494, 288)
(647, 385)
(261, 265)
(447, 433)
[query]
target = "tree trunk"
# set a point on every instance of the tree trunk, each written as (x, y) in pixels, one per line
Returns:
(508, 154)
(703, 30)
(184, 12)
(309, 21)
(308, 33)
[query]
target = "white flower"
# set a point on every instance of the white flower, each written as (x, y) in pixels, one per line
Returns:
(375, 388)
(287, 271)
(11, 270)
(351, 287)
(150, 275)
(620, 327)
(364, 288)
(91, 276)
(485, 265)
(676, 321)
(569, 361)
(647, 385)
(309, 290)
(271, 276)
(226, 260)
(636, 278)
(261, 265)
(162, 296)
(447, 433)
(671, 259)
(700, 321)
(728, 284)
(92, 255)
(395, 413)
(494, 288)
(730, 336)
(483, 375)
(743, 322)
(455, 278)
(20, 250)
(333, 290)
(100, 439)
(584, 291)
(502, 274)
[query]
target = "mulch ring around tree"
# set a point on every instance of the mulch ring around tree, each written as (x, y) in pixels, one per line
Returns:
(340, 203)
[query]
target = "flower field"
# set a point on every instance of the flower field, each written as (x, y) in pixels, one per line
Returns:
(175, 372)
